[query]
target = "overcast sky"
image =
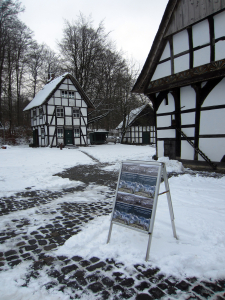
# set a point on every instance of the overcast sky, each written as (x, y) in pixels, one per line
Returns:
(132, 23)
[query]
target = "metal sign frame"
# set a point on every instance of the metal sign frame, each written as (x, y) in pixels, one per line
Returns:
(161, 173)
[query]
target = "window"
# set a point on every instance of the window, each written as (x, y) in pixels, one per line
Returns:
(42, 133)
(67, 94)
(59, 132)
(76, 132)
(71, 94)
(34, 114)
(59, 112)
(64, 94)
(40, 112)
(76, 113)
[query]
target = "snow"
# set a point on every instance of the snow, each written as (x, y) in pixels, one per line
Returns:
(198, 204)
(132, 115)
(45, 92)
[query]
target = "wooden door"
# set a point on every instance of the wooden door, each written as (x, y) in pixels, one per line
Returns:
(68, 137)
(146, 137)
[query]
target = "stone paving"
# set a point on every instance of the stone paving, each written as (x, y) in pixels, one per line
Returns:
(78, 277)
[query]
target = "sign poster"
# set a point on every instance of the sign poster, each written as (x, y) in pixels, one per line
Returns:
(135, 195)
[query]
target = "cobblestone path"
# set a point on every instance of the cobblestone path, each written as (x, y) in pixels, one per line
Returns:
(34, 223)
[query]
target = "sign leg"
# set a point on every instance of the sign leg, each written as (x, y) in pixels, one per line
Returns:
(169, 202)
(110, 231)
(149, 245)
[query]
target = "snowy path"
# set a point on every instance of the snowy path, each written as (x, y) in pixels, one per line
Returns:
(54, 235)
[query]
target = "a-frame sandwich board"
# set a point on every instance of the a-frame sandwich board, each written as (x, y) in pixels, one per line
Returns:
(136, 197)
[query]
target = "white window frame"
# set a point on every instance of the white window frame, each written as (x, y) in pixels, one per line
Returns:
(60, 132)
(59, 112)
(76, 112)
(77, 132)
(64, 94)
(71, 95)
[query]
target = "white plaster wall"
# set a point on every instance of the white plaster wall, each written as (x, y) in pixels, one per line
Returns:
(181, 63)
(217, 95)
(57, 93)
(60, 121)
(68, 111)
(50, 110)
(187, 98)
(76, 122)
(68, 121)
(166, 52)
(212, 121)
(167, 133)
(160, 148)
(51, 130)
(163, 121)
(72, 88)
(167, 108)
(77, 141)
(63, 87)
(69, 81)
(188, 118)
(180, 42)
(82, 121)
(219, 25)
(78, 103)
(202, 56)
(187, 152)
(71, 102)
(84, 130)
(190, 132)
(84, 111)
(51, 101)
(162, 70)
(58, 101)
(200, 33)
(78, 96)
(214, 148)
(84, 104)
(65, 102)
(220, 50)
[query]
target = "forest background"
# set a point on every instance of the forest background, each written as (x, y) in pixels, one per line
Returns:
(84, 51)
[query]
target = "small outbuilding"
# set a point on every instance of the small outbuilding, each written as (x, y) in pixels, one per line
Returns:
(139, 127)
(98, 137)
(59, 113)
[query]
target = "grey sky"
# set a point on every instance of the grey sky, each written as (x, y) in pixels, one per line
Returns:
(132, 23)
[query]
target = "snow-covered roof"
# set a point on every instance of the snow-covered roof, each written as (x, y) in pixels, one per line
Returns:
(133, 114)
(43, 94)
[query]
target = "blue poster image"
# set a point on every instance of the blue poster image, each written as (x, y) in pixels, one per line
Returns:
(135, 196)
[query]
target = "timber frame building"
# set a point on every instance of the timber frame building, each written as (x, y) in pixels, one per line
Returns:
(140, 127)
(184, 77)
(59, 113)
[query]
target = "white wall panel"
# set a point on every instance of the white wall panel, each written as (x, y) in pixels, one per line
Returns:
(58, 101)
(63, 87)
(51, 130)
(181, 63)
(214, 148)
(57, 93)
(187, 151)
(51, 110)
(78, 103)
(76, 122)
(190, 132)
(60, 121)
(68, 111)
(200, 33)
(72, 88)
(217, 95)
(202, 56)
(162, 70)
(78, 96)
(71, 102)
(168, 133)
(84, 111)
(180, 42)
(187, 97)
(84, 104)
(220, 50)
(68, 121)
(219, 25)
(166, 52)
(188, 118)
(163, 121)
(64, 102)
(51, 101)
(212, 121)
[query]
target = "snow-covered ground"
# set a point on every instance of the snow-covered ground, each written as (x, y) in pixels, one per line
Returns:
(198, 203)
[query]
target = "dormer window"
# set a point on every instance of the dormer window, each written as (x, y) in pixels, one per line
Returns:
(59, 112)
(40, 112)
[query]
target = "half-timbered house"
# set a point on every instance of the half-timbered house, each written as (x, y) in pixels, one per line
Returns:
(140, 126)
(184, 77)
(59, 113)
